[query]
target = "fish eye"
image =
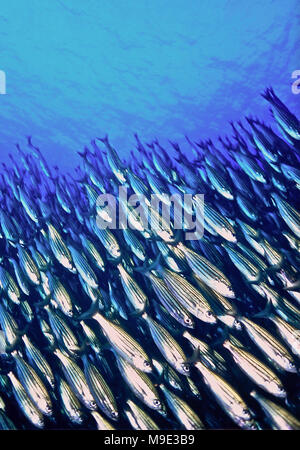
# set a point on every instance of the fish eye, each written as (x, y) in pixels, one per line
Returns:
(93, 404)
(185, 367)
(237, 324)
(188, 320)
(114, 413)
(156, 402)
(210, 315)
(146, 364)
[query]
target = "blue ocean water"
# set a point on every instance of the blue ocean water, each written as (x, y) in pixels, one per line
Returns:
(76, 70)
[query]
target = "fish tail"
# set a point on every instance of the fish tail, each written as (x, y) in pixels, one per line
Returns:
(266, 312)
(144, 269)
(89, 314)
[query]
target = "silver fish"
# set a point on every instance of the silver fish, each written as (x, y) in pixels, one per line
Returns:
(207, 272)
(256, 370)
(167, 345)
(227, 397)
(124, 344)
(182, 411)
(26, 405)
(76, 380)
(138, 418)
(279, 417)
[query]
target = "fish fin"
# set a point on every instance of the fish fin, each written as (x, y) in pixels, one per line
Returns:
(84, 358)
(50, 348)
(144, 269)
(226, 343)
(288, 403)
(196, 356)
(260, 278)
(80, 180)
(136, 314)
(219, 342)
(104, 139)
(84, 153)
(273, 269)
(294, 287)
(30, 144)
(266, 312)
(44, 302)
(159, 378)
(113, 314)
(144, 315)
(7, 244)
(177, 238)
(17, 352)
(94, 308)
(85, 342)
(107, 347)
(23, 331)
(114, 261)
(9, 349)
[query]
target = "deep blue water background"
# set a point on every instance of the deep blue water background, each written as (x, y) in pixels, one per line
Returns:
(79, 69)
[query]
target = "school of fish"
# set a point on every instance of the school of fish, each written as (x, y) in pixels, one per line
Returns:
(140, 328)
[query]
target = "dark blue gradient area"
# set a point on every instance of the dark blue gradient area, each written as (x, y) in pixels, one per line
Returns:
(79, 69)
